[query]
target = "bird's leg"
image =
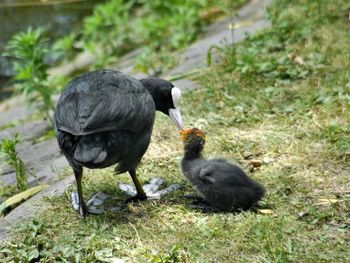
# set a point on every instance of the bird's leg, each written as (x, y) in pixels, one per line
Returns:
(82, 207)
(151, 188)
(206, 208)
(141, 195)
(195, 199)
(198, 202)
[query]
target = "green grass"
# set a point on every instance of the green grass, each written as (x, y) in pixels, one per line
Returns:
(158, 28)
(30, 50)
(280, 96)
(9, 155)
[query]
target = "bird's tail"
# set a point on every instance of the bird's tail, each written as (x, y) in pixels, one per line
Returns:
(90, 149)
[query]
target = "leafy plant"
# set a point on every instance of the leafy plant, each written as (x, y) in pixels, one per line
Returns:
(30, 50)
(31, 250)
(110, 27)
(10, 156)
(210, 53)
(154, 63)
(176, 254)
(65, 47)
(119, 26)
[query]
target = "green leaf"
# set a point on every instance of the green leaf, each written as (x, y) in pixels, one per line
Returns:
(104, 255)
(34, 254)
(18, 198)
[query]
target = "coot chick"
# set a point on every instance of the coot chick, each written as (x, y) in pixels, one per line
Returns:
(106, 117)
(224, 186)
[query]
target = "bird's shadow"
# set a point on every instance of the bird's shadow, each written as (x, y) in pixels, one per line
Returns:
(199, 204)
(131, 211)
(136, 210)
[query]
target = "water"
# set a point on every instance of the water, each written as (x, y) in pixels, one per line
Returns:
(58, 16)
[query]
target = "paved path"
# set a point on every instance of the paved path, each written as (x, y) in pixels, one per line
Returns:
(44, 160)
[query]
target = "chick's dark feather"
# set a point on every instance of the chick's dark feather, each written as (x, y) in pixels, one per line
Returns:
(222, 184)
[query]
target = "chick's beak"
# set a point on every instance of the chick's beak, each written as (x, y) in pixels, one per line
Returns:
(183, 134)
(175, 116)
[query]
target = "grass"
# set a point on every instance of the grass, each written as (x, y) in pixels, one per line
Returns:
(29, 51)
(156, 28)
(281, 96)
(9, 155)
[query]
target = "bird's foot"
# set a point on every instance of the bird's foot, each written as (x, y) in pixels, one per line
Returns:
(93, 206)
(151, 190)
(135, 198)
(196, 199)
(205, 208)
(200, 203)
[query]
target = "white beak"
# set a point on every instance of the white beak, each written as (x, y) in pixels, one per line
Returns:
(175, 116)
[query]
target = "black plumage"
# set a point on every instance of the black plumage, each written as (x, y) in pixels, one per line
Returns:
(106, 117)
(223, 185)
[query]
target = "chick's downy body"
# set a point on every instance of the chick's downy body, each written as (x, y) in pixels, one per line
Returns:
(223, 185)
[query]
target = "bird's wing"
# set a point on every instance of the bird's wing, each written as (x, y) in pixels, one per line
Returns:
(103, 103)
(228, 174)
(205, 174)
(222, 172)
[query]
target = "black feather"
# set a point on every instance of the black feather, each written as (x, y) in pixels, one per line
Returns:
(106, 117)
(223, 185)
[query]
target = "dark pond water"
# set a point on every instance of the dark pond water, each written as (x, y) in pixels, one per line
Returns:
(59, 17)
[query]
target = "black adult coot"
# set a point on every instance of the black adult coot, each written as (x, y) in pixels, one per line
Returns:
(106, 117)
(224, 186)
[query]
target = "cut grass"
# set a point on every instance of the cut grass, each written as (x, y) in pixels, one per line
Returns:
(281, 96)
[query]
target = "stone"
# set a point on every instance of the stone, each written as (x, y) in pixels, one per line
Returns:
(256, 163)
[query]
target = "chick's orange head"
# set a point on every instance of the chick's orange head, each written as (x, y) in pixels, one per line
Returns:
(185, 134)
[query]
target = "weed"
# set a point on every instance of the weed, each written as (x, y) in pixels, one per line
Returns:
(154, 63)
(9, 154)
(30, 51)
(65, 47)
(158, 27)
(7, 191)
(176, 254)
(110, 28)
